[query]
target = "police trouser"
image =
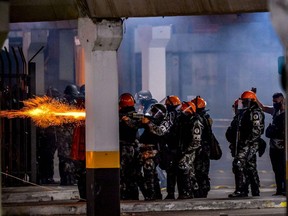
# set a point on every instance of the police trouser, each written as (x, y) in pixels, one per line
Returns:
(252, 175)
(171, 171)
(80, 175)
(150, 185)
(277, 157)
(128, 173)
(202, 166)
(245, 170)
(186, 180)
(171, 178)
(66, 171)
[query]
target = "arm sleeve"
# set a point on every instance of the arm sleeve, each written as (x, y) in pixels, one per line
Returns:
(197, 130)
(257, 119)
(161, 129)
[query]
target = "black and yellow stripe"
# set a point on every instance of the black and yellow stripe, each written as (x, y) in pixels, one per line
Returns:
(102, 159)
(103, 175)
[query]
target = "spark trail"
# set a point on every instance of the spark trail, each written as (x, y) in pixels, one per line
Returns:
(45, 111)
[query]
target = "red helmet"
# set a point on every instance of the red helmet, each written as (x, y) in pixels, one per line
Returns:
(248, 95)
(126, 100)
(172, 100)
(199, 102)
(188, 107)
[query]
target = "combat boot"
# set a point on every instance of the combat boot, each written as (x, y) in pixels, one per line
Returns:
(170, 196)
(255, 192)
(158, 196)
(185, 196)
(238, 194)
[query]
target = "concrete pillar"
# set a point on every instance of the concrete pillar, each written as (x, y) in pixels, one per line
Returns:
(153, 42)
(100, 41)
(66, 56)
(33, 42)
(79, 63)
(143, 36)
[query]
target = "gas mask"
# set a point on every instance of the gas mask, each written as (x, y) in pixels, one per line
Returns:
(277, 106)
(243, 104)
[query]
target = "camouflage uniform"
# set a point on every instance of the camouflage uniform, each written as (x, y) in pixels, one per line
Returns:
(231, 134)
(65, 139)
(66, 166)
(168, 154)
(202, 161)
(190, 131)
(151, 141)
(129, 170)
(251, 126)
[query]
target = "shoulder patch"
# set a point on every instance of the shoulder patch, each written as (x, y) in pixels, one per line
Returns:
(255, 117)
(197, 131)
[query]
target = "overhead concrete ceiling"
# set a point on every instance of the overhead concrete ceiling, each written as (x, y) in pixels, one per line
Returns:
(53, 10)
(144, 8)
(42, 10)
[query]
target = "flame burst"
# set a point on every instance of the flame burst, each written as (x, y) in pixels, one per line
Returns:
(45, 111)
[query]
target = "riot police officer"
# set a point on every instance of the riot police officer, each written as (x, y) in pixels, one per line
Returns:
(144, 100)
(249, 130)
(190, 136)
(168, 153)
(150, 144)
(71, 93)
(128, 127)
(47, 146)
(65, 135)
(202, 161)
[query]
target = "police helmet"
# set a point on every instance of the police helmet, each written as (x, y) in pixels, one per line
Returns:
(142, 96)
(71, 90)
(53, 92)
(199, 102)
(188, 108)
(126, 100)
(157, 112)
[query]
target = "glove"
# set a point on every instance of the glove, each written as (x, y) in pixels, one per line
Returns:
(125, 118)
(145, 120)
